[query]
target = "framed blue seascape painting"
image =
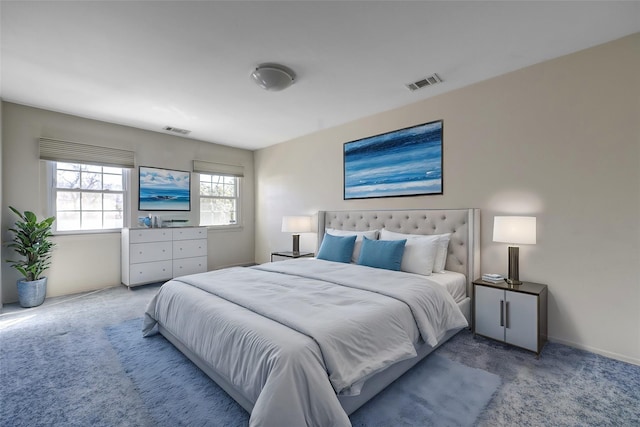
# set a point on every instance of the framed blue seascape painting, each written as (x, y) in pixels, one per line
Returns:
(404, 162)
(164, 190)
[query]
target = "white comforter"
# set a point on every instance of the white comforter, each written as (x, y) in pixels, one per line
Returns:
(331, 327)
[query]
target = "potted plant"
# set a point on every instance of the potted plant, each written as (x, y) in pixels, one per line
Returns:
(31, 240)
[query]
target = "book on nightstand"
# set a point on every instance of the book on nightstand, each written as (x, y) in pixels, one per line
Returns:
(493, 278)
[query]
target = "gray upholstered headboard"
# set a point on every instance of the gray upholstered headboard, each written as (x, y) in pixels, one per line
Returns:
(463, 224)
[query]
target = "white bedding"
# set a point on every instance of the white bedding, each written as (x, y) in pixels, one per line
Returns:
(292, 334)
(454, 283)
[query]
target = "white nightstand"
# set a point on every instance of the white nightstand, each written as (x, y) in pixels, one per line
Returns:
(514, 314)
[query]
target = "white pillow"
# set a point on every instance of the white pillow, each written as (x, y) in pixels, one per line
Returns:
(441, 256)
(442, 246)
(371, 235)
(419, 252)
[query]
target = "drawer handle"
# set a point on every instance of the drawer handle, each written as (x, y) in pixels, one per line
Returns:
(501, 313)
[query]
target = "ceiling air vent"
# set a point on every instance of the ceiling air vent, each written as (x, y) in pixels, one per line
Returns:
(177, 130)
(427, 81)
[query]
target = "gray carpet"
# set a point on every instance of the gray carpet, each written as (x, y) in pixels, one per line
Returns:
(438, 391)
(40, 347)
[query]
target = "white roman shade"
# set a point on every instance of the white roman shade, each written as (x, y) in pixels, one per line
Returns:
(73, 152)
(218, 168)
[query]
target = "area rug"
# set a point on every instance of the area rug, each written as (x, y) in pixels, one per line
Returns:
(436, 392)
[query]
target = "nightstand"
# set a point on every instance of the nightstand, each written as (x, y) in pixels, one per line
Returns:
(290, 254)
(513, 314)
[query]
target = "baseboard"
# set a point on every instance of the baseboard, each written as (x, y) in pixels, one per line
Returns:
(609, 354)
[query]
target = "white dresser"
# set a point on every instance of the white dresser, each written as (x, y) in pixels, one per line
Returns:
(157, 254)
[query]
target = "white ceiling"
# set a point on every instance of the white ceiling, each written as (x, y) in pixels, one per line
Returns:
(186, 64)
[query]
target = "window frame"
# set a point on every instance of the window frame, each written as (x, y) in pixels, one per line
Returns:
(238, 199)
(52, 170)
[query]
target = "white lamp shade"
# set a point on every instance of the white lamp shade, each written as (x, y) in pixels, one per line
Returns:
(515, 229)
(296, 224)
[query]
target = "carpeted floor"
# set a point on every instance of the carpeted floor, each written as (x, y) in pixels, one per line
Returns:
(439, 391)
(58, 367)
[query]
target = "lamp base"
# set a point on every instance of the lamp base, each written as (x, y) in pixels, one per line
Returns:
(514, 276)
(296, 244)
(512, 282)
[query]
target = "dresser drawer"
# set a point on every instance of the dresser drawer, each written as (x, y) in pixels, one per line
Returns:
(189, 233)
(182, 267)
(149, 272)
(147, 252)
(149, 235)
(189, 248)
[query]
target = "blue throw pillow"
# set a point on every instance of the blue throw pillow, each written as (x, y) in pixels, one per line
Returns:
(385, 254)
(336, 248)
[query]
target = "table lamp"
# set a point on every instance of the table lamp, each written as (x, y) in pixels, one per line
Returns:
(296, 225)
(514, 230)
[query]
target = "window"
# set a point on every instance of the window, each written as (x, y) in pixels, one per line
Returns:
(219, 195)
(87, 197)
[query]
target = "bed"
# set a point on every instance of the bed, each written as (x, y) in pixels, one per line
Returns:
(308, 341)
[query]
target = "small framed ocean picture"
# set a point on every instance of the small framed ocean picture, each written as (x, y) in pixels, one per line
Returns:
(164, 190)
(404, 162)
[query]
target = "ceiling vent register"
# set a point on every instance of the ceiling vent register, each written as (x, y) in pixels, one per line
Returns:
(176, 130)
(427, 81)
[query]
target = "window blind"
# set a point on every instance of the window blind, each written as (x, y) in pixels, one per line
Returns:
(218, 168)
(73, 152)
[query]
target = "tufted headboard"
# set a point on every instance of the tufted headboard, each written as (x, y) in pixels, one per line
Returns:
(463, 224)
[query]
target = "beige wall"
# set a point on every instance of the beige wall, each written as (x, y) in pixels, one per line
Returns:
(85, 262)
(558, 140)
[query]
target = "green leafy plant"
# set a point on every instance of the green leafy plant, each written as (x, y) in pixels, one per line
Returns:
(32, 240)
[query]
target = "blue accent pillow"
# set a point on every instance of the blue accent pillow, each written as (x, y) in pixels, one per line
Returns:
(336, 248)
(385, 254)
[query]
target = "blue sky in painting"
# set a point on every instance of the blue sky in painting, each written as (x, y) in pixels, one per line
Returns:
(399, 163)
(163, 178)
